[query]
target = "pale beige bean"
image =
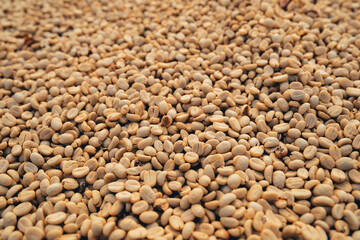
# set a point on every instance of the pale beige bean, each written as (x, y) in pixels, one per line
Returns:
(198, 210)
(176, 223)
(351, 219)
(279, 179)
(155, 232)
(191, 157)
(227, 211)
(5, 180)
(148, 217)
(301, 193)
(132, 185)
(267, 234)
(344, 163)
(337, 211)
(123, 196)
(223, 147)
(323, 201)
(54, 160)
(280, 78)
(254, 192)
(56, 218)
(80, 172)
(354, 175)
(236, 73)
(26, 195)
(227, 199)
(8, 120)
(229, 222)
(66, 138)
(294, 183)
(234, 124)
(22, 209)
(54, 189)
(116, 187)
(138, 233)
(34, 233)
(147, 194)
(139, 207)
(234, 180)
(117, 234)
(195, 195)
(97, 227)
(323, 190)
(37, 159)
(189, 227)
(353, 92)
(309, 152)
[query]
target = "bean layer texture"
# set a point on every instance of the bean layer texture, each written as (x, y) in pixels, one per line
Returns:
(179, 119)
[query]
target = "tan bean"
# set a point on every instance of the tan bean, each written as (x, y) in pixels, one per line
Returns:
(37, 159)
(280, 78)
(147, 194)
(22, 209)
(54, 189)
(140, 207)
(66, 138)
(56, 218)
(344, 163)
(195, 195)
(229, 222)
(309, 152)
(132, 185)
(176, 223)
(351, 219)
(279, 179)
(34, 233)
(189, 227)
(80, 172)
(5, 180)
(148, 217)
(138, 233)
(191, 157)
(254, 192)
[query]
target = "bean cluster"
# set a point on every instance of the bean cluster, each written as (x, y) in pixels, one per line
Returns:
(179, 119)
